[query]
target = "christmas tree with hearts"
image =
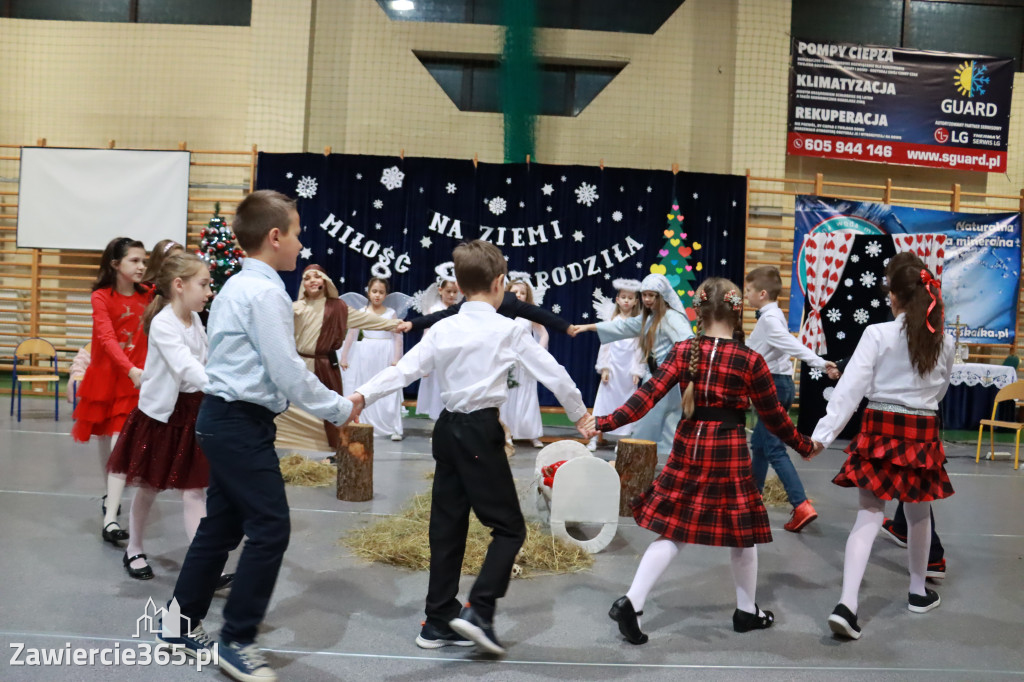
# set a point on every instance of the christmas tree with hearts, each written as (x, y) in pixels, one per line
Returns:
(676, 260)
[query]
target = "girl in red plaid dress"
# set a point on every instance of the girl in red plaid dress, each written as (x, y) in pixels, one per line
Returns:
(706, 494)
(902, 367)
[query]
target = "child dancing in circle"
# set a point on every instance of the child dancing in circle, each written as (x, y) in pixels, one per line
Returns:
(903, 368)
(618, 362)
(706, 494)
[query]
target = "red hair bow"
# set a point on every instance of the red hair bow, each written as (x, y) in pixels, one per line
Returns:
(929, 281)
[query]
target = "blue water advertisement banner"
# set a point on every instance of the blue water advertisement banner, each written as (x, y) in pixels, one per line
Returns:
(980, 255)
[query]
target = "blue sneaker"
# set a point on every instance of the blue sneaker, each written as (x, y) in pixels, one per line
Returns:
(191, 644)
(433, 636)
(245, 662)
(470, 625)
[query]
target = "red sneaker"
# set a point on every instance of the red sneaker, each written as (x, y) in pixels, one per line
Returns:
(802, 515)
(936, 570)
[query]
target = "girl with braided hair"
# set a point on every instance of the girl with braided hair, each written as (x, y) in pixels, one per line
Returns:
(903, 368)
(706, 494)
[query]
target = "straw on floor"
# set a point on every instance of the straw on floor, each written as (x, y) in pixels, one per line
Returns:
(774, 494)
(299, 470)
(402, 541)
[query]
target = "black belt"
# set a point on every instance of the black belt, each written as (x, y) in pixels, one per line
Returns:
(726, 415)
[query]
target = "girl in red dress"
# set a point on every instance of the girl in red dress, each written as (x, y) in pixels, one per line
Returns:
(903, 368)
(706, 494)
(110, 388)
(158, 448)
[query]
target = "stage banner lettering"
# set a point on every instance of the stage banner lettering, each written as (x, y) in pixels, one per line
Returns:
(574, 229)
(977, 256)
(900, 106)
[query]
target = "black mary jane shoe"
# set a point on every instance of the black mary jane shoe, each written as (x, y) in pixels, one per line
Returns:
(622, 613)
(116, 535)
(144, 573)
(744, 621)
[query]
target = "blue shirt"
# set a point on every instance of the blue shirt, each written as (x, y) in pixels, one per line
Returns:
(674, 328)
(252, 348)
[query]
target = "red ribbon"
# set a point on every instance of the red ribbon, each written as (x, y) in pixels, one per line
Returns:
(928, 281)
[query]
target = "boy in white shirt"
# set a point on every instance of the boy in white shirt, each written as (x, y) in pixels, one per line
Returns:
(470, 354)
(771, 338)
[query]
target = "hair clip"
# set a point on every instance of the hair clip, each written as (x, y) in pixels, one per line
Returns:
(734, 299)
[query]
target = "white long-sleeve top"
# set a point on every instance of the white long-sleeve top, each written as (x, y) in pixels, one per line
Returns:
(174, 363)
(880, 370)
(470, 354)
(771, 338)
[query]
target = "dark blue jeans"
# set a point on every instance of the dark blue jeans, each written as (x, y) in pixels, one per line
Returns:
(246, 498)
(766, 449)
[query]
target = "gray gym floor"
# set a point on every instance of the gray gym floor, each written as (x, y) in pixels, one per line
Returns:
(334, 616)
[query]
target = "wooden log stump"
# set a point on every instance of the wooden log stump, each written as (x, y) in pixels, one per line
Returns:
(636, 462)
(355, 463)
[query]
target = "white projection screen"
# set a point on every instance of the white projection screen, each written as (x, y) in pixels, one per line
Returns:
(83, 198)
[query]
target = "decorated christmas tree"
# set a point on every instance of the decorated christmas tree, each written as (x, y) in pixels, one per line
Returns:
(220, 252)
(675, 260)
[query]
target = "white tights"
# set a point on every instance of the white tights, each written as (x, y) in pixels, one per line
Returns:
(193, 501)
(862, 537)
(661, 552)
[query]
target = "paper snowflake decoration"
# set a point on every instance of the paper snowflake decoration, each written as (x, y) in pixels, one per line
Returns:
(359, 176)
(607, 275)
(376, 226)
(640, 209)
(709, 219)
(860, 316)
(827, 393)
(725, 233)
(547, 190)
(585, 316)
(306, 253)
(723, 261)
(354, 212)
(556, 309)
(392, 178)
(497, 205)
(840, 335)
(330, 251)
(306, 188)
(868, 279)
(833, 315)
(848, 282)
(873, 249)
(577, 235)
(694, 195)
(854, 258)
(377, 203)
(548, 209)
(875, 303)
(289, 175)
(849, 297)
(815, 373)
(522, 204)
(450, 188)
(564, 178)
(425, 242)
(617, 216)
(586, 194)
(531, 259)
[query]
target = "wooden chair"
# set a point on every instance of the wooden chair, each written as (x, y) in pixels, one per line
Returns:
(35, 350)
(76, 378)
(1014, 391)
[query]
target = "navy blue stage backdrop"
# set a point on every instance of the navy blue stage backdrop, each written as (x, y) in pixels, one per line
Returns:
(573, 228)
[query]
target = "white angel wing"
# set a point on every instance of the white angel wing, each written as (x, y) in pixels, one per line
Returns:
(400, 302)
(422, 300)
(603, 306)
(354, 300)
(538, 295)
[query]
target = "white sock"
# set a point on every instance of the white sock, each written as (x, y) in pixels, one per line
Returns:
(194, 503)
(743, 561)
(115, 488)
(137, 516)
(104, 444)
(919, 543)
(858, 546)
(655, 560)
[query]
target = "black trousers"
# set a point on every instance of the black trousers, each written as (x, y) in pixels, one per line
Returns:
(471, 472)
(899, 524)
(245, 498)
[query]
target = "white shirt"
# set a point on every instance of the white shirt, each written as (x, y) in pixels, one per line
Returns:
(470, 354)
(252, 348)
(174, 363)
(880, 370)
(771, 338)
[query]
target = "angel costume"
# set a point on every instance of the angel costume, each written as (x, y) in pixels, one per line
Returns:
(521, 411)
(658, 425)
(428, 398)
(376, 351)
(320, 327)
(621, 358)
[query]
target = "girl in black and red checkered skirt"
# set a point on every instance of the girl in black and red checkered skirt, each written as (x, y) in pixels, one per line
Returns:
(902, 367)
(706, 494)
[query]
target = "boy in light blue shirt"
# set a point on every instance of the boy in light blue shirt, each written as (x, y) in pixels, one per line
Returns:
(254, 371)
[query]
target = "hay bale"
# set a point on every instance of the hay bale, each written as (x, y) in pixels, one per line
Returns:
(402, 540)
(774, 494)
(299, 470)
